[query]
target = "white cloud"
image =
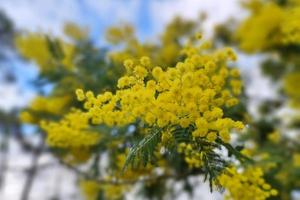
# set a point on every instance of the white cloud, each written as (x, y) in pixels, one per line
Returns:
(12, 97)
(36, 15)
(49, 15)
(217, 11)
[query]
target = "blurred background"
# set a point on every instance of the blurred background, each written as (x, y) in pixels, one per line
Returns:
(24, 168)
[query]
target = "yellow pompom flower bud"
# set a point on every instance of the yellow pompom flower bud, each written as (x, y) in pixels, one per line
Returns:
(231, 54)
(231, 102)
(89, 94)
(235, 73)
(274, 192)
(128, 64)
(145, 61)
(224, 134)
(140, 71)
(201, 123)
(80, 94)
(211, 136)
(157, 72)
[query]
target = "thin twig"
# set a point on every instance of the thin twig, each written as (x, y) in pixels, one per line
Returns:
(124, 181)
(4, 157)
(32, 171)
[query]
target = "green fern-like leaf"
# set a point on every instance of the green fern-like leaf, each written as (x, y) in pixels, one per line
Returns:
(143, 151)
(55, 48)
(181, 135)
(234, 151)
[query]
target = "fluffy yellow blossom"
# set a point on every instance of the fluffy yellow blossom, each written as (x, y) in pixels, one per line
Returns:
(116, 35)
(192, 157)
(274, 136)
(291, 25)
(26, 117)
(113, 192)
(90, 189)
(71, 132)
(211, 136)
(168, 98)
(145, 61)
(53, 105)
(255, 32)
(80, 94)
(190, 94)
(41, 105)
(74, 31)
(36, 47)
(77, 155)
(246, 185)
(235, 73)
(270, 25)
(296, 160)
(164, 53)
(291, 87)
(140, 71)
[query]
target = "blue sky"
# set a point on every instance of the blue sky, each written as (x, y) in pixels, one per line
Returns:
(148, 16)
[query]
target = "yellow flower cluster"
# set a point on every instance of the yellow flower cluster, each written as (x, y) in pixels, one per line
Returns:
(92, 189)
(54, 105)
(274, 137)
(192, 157)
(113, 192)
(26, 117)
(164, 53)
(35, 47)
(247, 185)
(191, 93)
(291, 25)
(269, 25)
(71, 132)
(76, 156)
(260, 30)
(296, 160)
(291, 87)
(74, 31)
(117, 35)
